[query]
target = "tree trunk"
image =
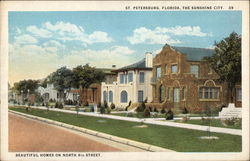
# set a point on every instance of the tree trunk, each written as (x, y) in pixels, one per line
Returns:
(230, 93)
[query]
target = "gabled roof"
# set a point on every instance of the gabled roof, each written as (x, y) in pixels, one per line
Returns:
(138, 65)
(194, 54)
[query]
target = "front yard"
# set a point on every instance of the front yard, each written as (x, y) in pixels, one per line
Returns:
(178, 139)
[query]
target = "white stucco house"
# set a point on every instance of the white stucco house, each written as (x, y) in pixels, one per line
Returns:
(133, 84)
(50, 92)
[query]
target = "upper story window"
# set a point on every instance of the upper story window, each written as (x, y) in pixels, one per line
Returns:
(130, 77)
(174, 68)
(141, 77)
(123, 78)
(194, 69)
(158, 72)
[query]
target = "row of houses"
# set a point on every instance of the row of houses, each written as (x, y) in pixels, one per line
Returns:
(176, 78)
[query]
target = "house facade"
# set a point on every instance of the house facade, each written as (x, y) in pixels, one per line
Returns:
(182, 80)
(133, 84)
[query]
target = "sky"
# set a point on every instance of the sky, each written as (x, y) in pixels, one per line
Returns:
(42, 42)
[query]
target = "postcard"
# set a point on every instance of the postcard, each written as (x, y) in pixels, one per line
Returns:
(124, 80)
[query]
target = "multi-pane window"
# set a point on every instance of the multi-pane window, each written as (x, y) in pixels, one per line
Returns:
(158, 72)
(176, 95)
(130, 77)
(174, 68)
(140, 96)
(123, 78)
(105, 97)
(124, 97)
(238, 94)
(194, 69)
(209, 92)
(141, 77)
(110, 96)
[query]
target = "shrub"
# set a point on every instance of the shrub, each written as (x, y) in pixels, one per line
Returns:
(141, 107)
(108, 110)
(59, 105)
(169, 115)
(150, 109)
(112, 106)
(185, 111)
(51, 100)
(99, 105)
(155, 110)
(105, 104)
(163, 110)
(92, 109)
(146, 113)
(231, 121)
(102, 110)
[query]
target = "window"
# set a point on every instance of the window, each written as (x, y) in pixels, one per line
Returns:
(183, 94)
(158, 72)
(124, 97)
(174, 68)
(122, 81)
(162, 93)
(209, 92)
(105, 97)
(140, 96)
(141, 77)
(130, 77)
(176, 94)
(166, 69)
(123, 78)
(238, 94)
(110, 96)
(194, 69)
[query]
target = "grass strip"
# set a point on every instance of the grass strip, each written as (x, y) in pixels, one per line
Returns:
(178, 139)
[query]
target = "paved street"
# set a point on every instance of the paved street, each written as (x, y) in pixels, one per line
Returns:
(34, 136)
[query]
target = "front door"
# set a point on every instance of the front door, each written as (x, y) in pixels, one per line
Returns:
(176, 95)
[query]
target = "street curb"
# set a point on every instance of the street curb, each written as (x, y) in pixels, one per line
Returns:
(144, 146)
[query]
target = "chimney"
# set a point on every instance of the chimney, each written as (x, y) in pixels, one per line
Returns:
(149, 60)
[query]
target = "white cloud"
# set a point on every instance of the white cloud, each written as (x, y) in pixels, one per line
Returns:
(39, 32)
(18, 31)
(161, 35)
(68, 32)
(99, 36)
(53, 43)
(25, 39)
(147, 36)
(182, 30)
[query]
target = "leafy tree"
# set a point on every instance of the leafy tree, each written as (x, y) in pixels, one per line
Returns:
(25, 86)
(84, 76)
(226, 61)
(62, 80)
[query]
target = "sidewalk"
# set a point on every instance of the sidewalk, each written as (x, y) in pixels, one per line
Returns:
(156, 121)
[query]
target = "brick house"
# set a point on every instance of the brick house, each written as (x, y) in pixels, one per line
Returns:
(93, 94)
(182, 80)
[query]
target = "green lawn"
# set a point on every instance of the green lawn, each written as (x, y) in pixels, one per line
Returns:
(178, 139)
(213, 122)
(158, 115)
